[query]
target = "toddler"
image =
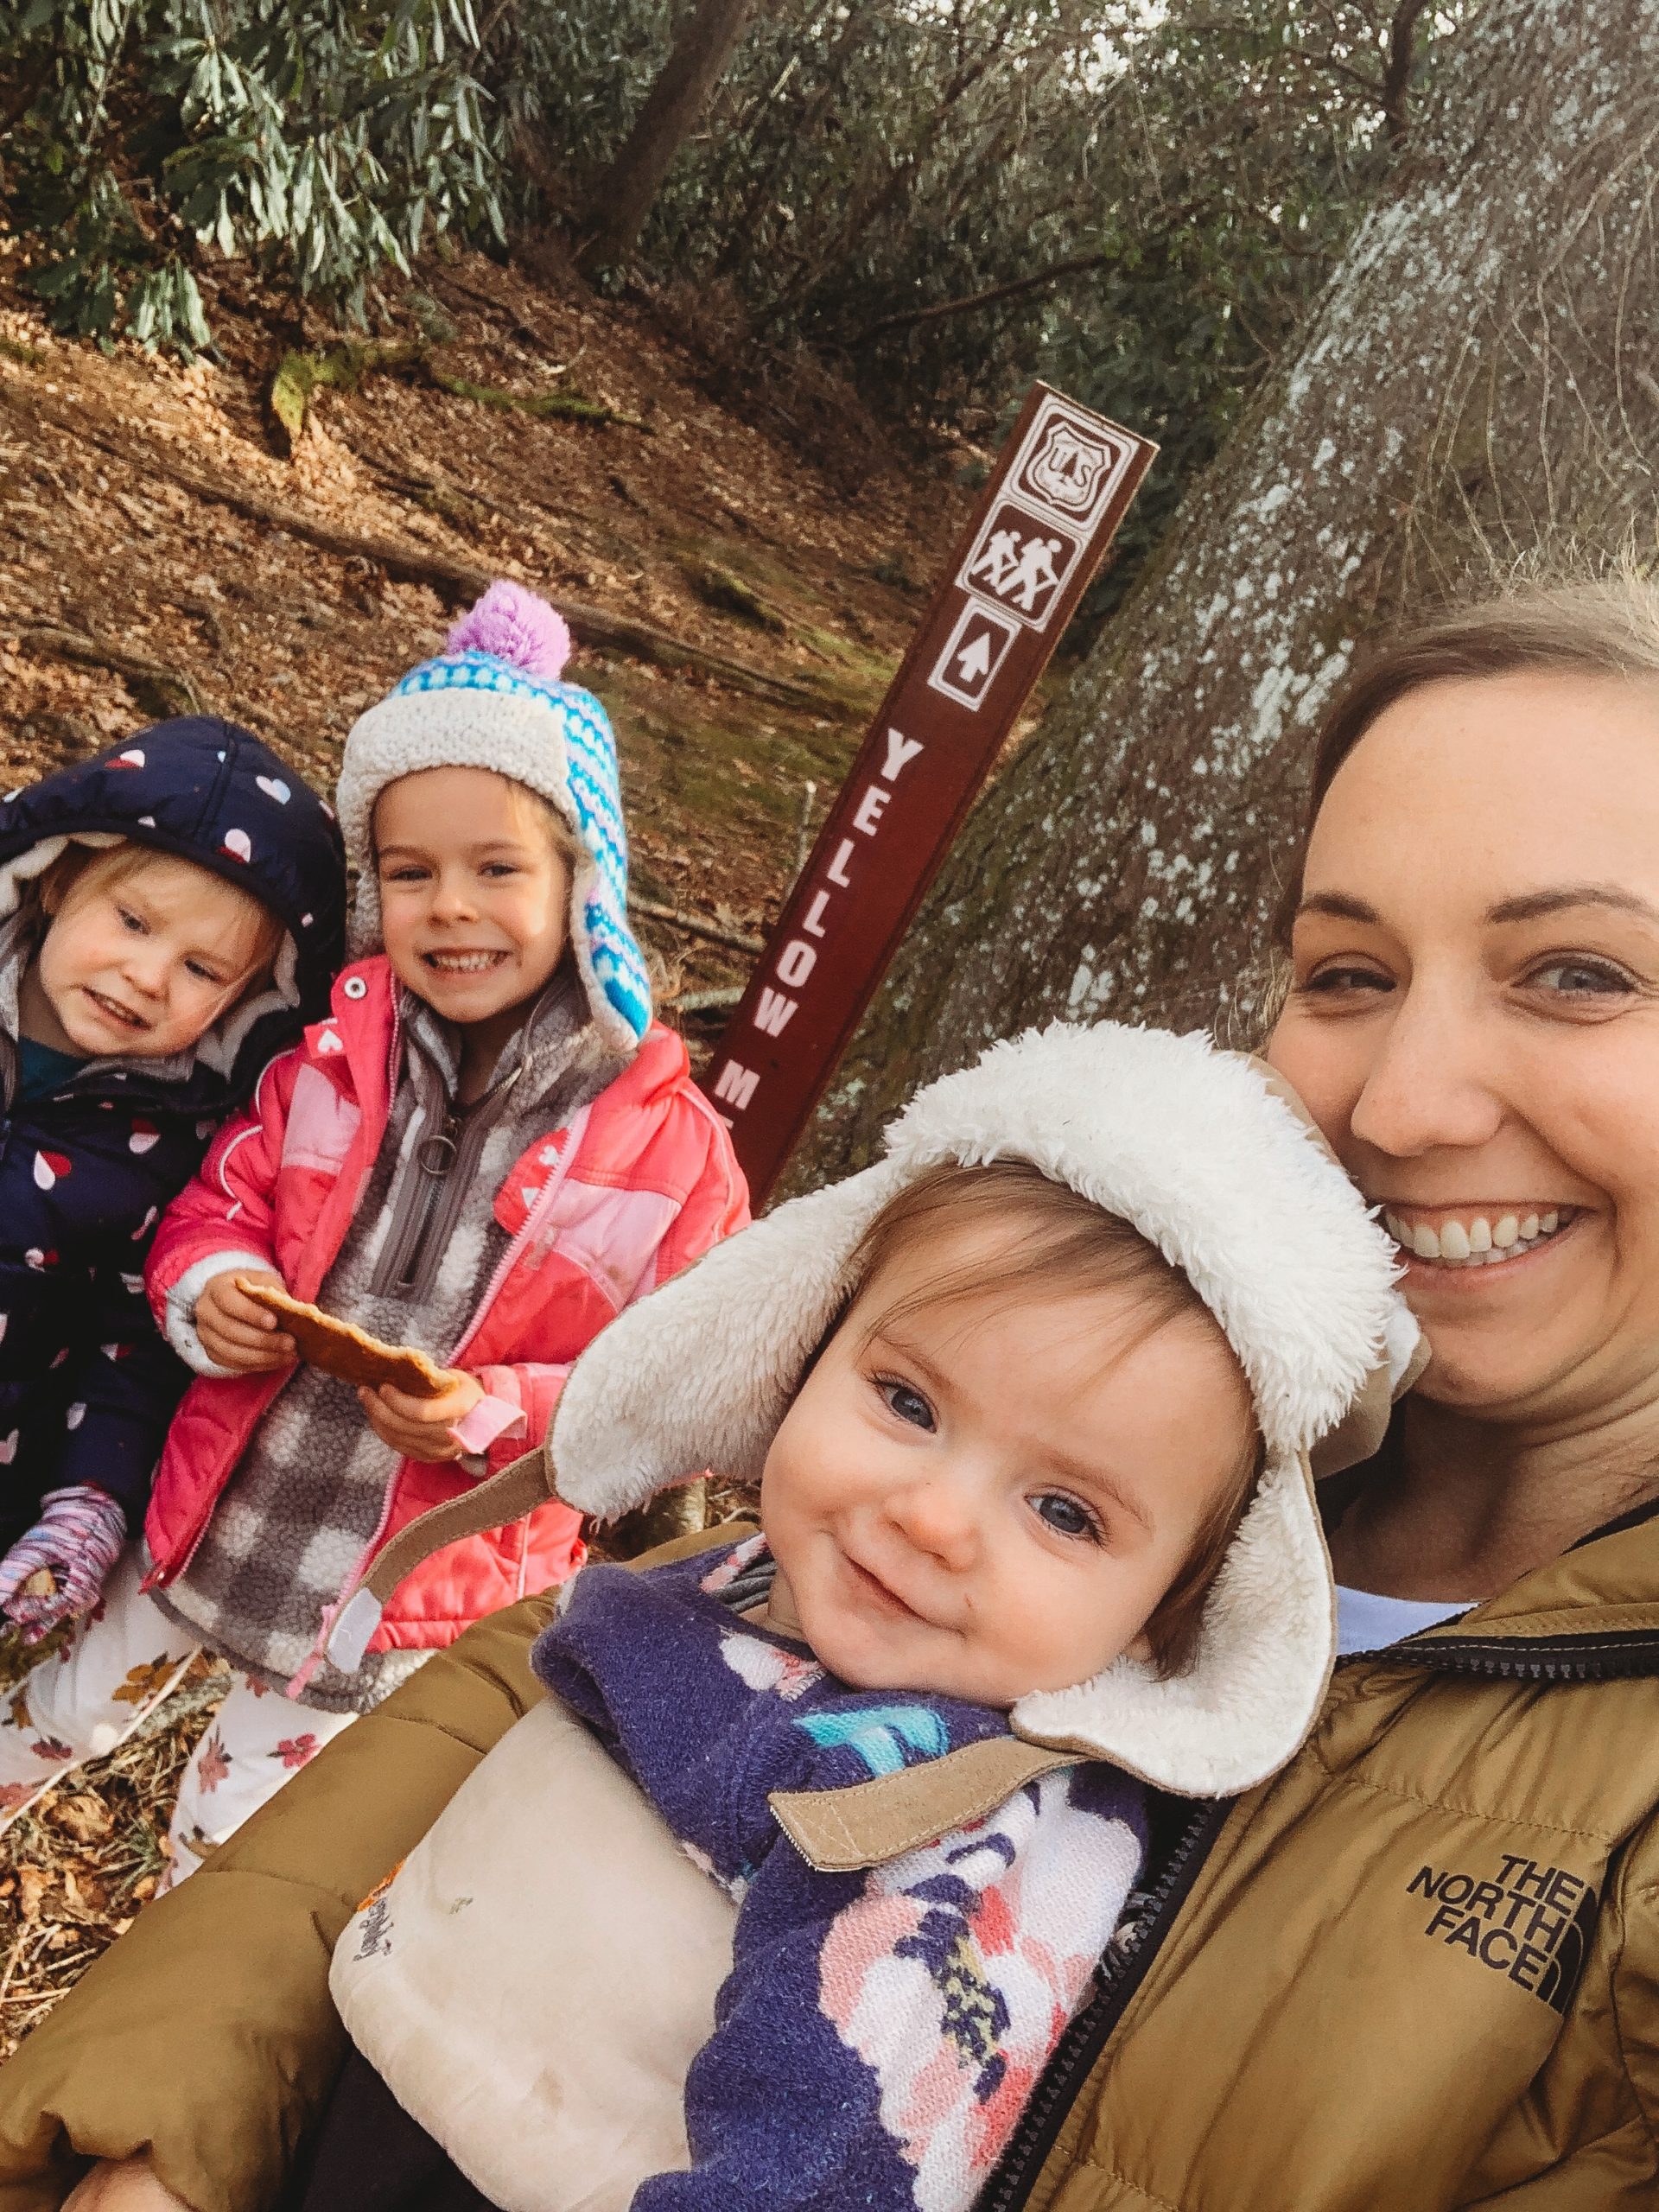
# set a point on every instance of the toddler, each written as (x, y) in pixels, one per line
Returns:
(786, 1896)
(168, 913)
(485, 1150)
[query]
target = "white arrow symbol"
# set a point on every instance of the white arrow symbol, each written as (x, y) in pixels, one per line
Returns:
(975, 661)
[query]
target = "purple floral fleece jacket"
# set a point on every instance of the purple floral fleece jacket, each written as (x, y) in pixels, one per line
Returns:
(880, 2031)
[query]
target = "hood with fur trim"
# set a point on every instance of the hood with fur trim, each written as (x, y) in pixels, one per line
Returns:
(1201, 1151)
(209, 791)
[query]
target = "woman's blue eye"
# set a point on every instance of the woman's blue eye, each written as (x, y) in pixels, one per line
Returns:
(1064, 1515)
(910, 1405)
(1583, 979)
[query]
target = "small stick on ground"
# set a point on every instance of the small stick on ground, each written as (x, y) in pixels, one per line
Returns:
(695, 925)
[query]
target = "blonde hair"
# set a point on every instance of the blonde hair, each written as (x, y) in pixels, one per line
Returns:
(1060, 1241)
(85, 868)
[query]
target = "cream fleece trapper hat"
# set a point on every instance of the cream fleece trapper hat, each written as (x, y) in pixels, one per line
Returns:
(1201, 1153)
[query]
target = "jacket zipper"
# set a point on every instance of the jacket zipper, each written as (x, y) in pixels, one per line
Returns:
(1086, 2037)
(532, 1224)
(447, 1159)
(1080, 2047)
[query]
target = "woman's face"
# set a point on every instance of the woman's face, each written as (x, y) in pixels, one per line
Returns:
(1474, 1023)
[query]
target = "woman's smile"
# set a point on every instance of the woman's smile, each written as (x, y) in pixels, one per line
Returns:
(1483, 1236)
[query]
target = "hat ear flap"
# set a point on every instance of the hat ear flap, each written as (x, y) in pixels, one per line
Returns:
(700, 1375)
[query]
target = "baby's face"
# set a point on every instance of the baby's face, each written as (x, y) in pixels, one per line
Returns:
(989, 1497)
(141, 963)
(474, 899)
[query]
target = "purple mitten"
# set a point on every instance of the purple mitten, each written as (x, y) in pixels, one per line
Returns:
(77, 1540)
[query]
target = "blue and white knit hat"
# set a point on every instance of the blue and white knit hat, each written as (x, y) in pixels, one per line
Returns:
(494, 700)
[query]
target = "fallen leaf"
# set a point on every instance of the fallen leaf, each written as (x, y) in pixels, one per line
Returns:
(88, 1819)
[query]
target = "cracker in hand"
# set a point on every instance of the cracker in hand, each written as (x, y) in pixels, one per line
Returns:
(339, 1348)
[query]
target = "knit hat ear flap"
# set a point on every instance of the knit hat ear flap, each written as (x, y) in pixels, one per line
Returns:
(495, 699)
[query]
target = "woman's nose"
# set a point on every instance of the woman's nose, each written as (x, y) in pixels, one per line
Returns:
(1434, 1082)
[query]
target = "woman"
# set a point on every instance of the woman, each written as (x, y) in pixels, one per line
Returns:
(1419, 1969)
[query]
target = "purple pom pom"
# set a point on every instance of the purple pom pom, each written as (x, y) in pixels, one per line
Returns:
(514, 626)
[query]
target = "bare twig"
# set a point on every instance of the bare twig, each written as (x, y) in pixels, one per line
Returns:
(174, 687)
(694, 924)
(990, 297)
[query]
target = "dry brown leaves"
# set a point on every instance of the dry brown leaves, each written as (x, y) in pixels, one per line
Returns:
(77, 1867)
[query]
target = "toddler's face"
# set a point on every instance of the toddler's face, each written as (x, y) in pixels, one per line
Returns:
(474, 898)
(140, 962)
(989, 1497)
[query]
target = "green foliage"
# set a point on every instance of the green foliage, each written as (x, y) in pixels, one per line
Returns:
(879, 180)
(320, 138)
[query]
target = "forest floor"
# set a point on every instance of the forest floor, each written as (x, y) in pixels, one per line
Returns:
(167, 546)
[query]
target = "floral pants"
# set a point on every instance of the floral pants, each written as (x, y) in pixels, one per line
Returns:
(85, 1699)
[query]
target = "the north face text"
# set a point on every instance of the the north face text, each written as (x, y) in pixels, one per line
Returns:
(1530, 1923)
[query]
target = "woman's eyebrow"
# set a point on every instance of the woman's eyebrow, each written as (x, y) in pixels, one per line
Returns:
(1339, 906)
(1533, 906)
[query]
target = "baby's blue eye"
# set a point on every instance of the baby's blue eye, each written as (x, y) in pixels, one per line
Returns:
(1064, 1515)
(910, 1405)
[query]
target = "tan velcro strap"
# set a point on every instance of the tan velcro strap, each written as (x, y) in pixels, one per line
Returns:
(517, 1490)
(868, 1823)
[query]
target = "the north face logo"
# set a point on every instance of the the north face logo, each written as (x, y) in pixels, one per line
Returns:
(1530, 1923)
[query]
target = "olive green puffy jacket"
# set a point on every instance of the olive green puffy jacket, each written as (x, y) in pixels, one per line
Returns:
(1418, 1970)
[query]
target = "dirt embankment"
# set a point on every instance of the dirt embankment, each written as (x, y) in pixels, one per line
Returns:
(168, 544)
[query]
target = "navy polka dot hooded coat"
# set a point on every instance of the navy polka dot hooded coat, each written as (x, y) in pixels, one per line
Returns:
(87, 1386)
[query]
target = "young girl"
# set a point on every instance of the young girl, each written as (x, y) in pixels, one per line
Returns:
(484, 1151)
(169, 913)
(1030, 1404)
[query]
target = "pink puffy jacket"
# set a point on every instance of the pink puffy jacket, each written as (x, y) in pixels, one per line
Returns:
(637, 1184)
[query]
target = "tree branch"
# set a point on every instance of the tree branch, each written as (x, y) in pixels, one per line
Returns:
(910, 316)
(1396, 75)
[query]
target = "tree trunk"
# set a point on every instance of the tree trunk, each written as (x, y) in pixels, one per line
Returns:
(622, 198)
(1477, 386)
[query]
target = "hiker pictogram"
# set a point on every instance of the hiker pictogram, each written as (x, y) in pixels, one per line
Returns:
(977, 647)
(1022, 563)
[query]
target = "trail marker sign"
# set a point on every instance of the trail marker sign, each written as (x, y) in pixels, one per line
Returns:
(1051, 507)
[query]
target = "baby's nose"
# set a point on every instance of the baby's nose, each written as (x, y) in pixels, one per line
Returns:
(937, 1518)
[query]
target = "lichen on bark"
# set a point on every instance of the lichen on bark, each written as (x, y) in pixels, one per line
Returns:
(1474, 391)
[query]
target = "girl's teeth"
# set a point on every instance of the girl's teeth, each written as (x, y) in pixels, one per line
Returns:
(1454, 1241)
(1529, 1229)
(1480, 1234)
(1425, 1243)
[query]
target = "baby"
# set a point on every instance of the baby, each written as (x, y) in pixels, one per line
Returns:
(169, 913)
(1030, 1404)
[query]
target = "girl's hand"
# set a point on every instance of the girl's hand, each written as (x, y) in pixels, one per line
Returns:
(235, 1330)
(127, 2186)
(419, 1428)
(58, 1570)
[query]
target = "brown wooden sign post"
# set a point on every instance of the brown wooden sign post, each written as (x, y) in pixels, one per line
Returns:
(1062, 487)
